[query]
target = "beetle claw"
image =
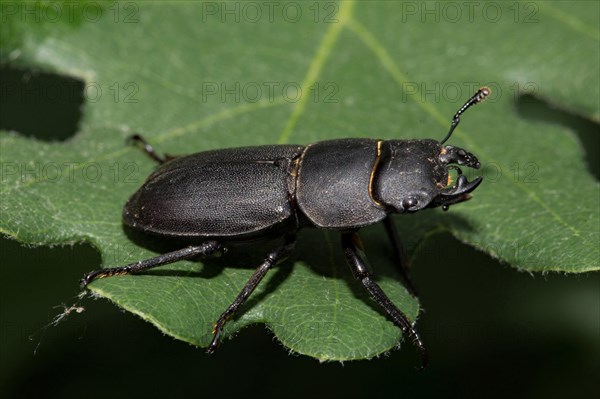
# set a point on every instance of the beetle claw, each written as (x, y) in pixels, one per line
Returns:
(458, 193)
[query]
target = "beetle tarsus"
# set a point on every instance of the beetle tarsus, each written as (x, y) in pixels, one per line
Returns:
(148, 149)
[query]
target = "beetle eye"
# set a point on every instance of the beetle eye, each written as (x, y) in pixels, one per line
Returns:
(409, 203)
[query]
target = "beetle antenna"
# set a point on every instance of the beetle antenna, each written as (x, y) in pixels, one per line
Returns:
(476, 99)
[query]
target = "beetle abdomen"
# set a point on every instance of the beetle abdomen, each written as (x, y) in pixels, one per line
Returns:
(218, 194)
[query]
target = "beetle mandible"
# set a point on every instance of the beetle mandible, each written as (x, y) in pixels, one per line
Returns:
(220, 196)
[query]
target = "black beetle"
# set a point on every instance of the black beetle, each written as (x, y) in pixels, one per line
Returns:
(220, 196)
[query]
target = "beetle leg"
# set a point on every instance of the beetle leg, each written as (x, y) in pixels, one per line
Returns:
(272, 259)
(148, 149)
(400, 254)
(207, 248)
(357, 261)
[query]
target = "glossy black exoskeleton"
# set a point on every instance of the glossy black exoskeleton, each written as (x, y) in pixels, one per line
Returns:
(220, 196)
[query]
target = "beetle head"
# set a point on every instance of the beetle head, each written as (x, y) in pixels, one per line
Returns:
(415, 174)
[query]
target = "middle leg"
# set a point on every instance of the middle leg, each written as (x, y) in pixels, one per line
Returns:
(272, 259)
(400, 254)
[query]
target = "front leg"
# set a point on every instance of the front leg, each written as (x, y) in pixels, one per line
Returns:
(399, 254)
(353, 250)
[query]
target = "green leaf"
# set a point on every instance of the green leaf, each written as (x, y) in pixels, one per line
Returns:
(193, 77)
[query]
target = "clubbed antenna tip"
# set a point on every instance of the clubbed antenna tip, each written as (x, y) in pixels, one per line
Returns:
(475, 99)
